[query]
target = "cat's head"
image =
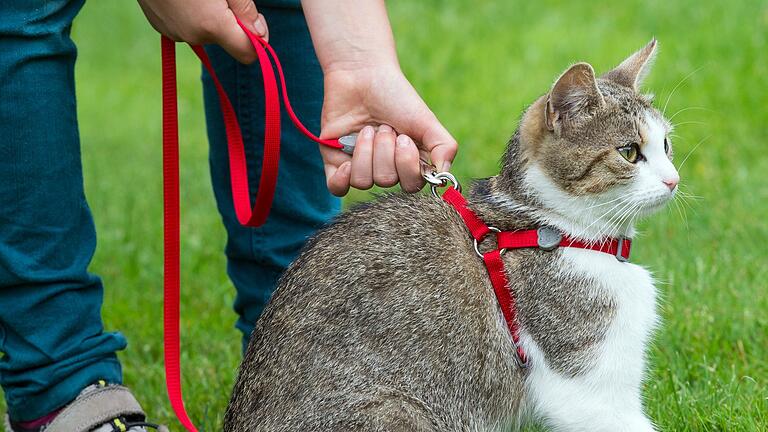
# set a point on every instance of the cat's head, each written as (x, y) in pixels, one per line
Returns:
(595, 151)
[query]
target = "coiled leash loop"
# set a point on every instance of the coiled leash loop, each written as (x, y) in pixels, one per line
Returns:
(247, 215)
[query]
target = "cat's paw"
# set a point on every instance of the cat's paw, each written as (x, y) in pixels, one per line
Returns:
(639, 423)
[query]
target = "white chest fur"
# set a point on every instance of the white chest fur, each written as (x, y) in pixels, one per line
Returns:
(607, 396)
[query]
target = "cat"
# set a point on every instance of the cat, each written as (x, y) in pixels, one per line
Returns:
(387, 321)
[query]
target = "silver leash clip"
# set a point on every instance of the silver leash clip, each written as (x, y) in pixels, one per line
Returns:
(348, 143)
(429, 172)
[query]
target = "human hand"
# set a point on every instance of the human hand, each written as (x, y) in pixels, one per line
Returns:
(362, 97)
(201, 22)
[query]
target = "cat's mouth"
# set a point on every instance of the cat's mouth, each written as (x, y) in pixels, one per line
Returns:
(635, 209)
(656, 203)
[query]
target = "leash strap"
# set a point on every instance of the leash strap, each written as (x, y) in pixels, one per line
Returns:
(247, 215)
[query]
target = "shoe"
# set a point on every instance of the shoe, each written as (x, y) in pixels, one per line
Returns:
(100, 407)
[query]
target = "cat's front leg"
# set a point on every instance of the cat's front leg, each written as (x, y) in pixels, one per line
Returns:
(600, 419)
(585, 403)
(639, 422)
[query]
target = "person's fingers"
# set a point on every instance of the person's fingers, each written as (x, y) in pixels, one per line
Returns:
(153, 19)
(408, 165)
(332, 156)
(249, 15)
(442, 147)
(337, 180)
(233, 39)
(262, 29)
(384, 170)
(332, 160)
(362, 160)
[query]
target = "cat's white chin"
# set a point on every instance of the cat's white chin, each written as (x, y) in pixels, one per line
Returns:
(590, 219)
(654, 205)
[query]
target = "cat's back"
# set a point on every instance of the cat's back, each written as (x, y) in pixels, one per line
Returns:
(387, 309)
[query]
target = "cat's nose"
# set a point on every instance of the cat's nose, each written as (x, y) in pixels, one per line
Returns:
(671, 182)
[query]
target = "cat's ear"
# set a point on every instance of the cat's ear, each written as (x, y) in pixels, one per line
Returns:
(573, 94)
(631, 72)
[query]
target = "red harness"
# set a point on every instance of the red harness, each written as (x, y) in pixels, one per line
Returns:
(545, 238)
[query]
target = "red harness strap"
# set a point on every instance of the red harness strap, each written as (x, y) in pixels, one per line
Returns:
(530, 238)
(251, 216)
(619, 248)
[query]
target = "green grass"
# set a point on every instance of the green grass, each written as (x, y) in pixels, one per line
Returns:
(478, 64)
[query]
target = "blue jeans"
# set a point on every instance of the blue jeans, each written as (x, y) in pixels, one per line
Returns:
(51, 333)
(257, 257)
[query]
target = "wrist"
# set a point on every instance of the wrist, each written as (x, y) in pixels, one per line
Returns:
(359, 76)
(351, 35)
(348, 56)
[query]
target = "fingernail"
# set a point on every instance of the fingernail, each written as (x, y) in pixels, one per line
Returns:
(260, 26)
(385, 128)
(345, 167)
(367, 132)
(403, 141)
(446, 166)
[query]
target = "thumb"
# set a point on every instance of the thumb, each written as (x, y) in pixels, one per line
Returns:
(234, 40)
(436, 140)
(249, 15)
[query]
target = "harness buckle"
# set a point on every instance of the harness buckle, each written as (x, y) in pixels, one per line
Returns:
(620, 249)
(476, 243)
(548, 238)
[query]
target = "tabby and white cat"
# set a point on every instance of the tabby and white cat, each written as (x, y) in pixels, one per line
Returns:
(388, 321)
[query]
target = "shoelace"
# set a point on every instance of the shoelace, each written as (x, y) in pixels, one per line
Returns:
(121, 424)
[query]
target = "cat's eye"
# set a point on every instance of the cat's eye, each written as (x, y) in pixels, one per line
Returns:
(666, 145)
(630, 152)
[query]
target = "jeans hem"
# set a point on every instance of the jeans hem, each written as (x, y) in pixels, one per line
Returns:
(61, 394)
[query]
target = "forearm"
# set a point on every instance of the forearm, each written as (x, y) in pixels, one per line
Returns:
(364, 86)
(350, 34)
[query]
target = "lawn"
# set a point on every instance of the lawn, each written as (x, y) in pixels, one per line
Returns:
(478, 64)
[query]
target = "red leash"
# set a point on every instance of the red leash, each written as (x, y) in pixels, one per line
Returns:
(546, 238)
(250, 216)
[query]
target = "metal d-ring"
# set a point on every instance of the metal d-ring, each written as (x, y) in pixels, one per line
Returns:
(477, 243)
(441, 179)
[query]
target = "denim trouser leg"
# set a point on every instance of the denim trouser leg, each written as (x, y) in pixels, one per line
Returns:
(51, 332)
(257, 257)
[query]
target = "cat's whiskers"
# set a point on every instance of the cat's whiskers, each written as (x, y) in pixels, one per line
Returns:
(690, 122)
(701, 141)
(681, 212)
(664, 110)
(633, 217)
(585, 231)
(601, 204)
(688, 109)
(685, 196)
(677, 137)
(616, 226)
(618, 219)
(682, 201)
